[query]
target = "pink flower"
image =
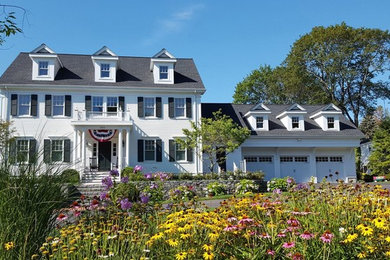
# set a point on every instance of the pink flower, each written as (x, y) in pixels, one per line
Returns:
(76, 213)
(245, 220)
(289, 245)
(307, 235)
(230, 228)
(231, 219)
(326, 237)
(61, 217)
(281, 234)
(265, 235)
(270, 252)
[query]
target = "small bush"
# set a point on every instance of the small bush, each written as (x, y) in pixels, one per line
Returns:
(216, 189)
(71, 176)
(280, 183)
(245, 186)
(127, 171)
(185, 176)
(182, 193)
(125, 190)
(255, 175)
(155, 192)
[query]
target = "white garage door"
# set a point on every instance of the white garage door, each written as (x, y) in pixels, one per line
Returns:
(261, 163)
(297, 167)
(327, 165)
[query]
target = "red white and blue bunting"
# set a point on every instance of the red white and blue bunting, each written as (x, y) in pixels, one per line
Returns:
(102, 135)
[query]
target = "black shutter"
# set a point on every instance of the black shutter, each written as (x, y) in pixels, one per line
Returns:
(188, 107)
(66, 150)
(171, 107)
(68, 105)
(140, 107)
(172, 149)
(46, 150)
(14, 105)
(190, 155)
(32, 154)
(88, 104)
(158, 107)
(140, 150)
(122, 103)
(158, 150)
(47, 105)
(34, 105)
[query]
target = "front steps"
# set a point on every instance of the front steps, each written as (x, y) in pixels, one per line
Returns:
(91, 183)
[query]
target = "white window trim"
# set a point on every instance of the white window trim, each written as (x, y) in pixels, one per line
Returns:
(18, 139)
(51, 149)
(105, 104)
(185, 153)
(154, 107)
(52, 106)
(263, 121)
(101, 70)
(334, 123)
(29, 106)
(167, 72)
(155, 150)
(185, 108)
(292, 123)
(47, 69)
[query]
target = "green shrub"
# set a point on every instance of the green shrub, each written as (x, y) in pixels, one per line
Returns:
(125, 190)
(185, 176)
(216, 189)
(245, 186)
(71, 176)
(182, 193)
(280, 183)
(155, 191)
(127, 171)
(255, 175)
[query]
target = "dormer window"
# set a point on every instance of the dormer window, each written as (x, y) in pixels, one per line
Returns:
(260, 122)
(295, 122)
(163, 72)
(43, 69)
(330, 122)
(104, 70)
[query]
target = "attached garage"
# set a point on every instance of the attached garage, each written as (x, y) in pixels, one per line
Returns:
(327, 165)
(297, 167)
(261, 163)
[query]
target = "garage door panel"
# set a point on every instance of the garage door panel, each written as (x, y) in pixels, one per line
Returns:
(296, 167)
(267, 168)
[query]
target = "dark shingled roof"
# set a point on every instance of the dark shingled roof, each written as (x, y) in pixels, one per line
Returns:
(276, 127)
(79, 70)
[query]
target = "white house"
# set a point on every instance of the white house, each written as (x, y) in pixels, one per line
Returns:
(300, 141)
(120, 110)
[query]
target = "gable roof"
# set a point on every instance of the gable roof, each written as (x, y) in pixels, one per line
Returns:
(79, 70)
(276, 128)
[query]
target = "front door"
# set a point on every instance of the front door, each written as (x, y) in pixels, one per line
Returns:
(104, 156)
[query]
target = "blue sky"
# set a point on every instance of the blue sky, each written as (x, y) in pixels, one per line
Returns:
(227, 39)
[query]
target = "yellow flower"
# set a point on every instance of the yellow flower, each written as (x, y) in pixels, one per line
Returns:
(34, 256)
(208, 247)
(181, 256)
(350, 238)
(208, 256)
(361, 255)
(9, 245)
(172, 242)
(185, 236)
(387, 253)
(387, 239)
(213, 236)
(367, 231)
(380, 223)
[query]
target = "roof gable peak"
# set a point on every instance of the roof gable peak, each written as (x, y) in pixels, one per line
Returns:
(260, 107)
(296, 107)
(105, 51)
(43, 49)
(164, 54)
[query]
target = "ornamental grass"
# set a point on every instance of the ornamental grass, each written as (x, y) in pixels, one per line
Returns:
(331, 222)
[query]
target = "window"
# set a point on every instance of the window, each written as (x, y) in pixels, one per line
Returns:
(321, 159)
(295, 122)
(24, 105)
(180, 152)
(150, 150)
(163, 72)
(57, 148)
(259, 122)
(330, 122)
(250, 158)
(286, 159)
(300, 159)
(265, 159)
(43, 68)
(336, 159)
(104, 70)
(22, 150)
(179, 107)
(149, 106)
(97, 105)
(114, 149)
(94, 150)
(58, 105)
(112, 104)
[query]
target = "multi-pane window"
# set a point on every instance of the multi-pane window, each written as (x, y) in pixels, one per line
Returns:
(104, 70)
(265, 159)
(114, 149)
(112, 104)
(57, 150)
(94, 150)
(259, 122)
(295, 122)
(43, 68)
(24, 105)
(322, 159)
(286, 159)
(149, 106)
(179, 107)
(163, 72)
(150, 150)
(180, 152)
(250, 158)
(58, 105)
(301, 158)
(336, 159)
(97, 105)
(330, 122)
(22, 150)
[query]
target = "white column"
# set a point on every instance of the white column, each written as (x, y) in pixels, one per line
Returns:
(83, 150)
(75, 145)
(120, 150)
(277, 163)
(127, 147)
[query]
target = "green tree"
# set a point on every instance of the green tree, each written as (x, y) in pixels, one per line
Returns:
(217, 135)
(380, 156)
(372, 120)
(8, 25)
(346, 63)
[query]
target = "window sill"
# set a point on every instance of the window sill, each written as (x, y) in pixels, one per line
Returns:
(24, 116)
(59, 117)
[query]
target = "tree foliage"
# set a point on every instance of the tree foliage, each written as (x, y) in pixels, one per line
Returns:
(372, 121)
(380, 156)
(8, 23)
(217, 135)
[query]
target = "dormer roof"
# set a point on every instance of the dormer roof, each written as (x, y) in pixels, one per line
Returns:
(105, 51)
(162, 56)
(292, 110)
(258, 109)
(330, 109)
(43, 49)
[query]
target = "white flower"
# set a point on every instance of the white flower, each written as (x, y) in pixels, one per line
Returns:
(341, 230)
(111, 237)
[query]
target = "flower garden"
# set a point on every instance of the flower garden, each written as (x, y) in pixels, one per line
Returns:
(343, 221)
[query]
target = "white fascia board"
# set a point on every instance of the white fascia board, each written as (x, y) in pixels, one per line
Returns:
(249, 113)
(285, 113)
(104, 58)
(325, 113)
(100, 124)
(45, 56)
(160, 60)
